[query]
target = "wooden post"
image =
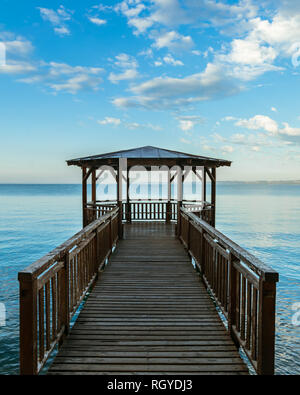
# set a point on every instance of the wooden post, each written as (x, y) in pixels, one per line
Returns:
(94, 194)
(128, 208)
(266, 327)
(203, 186)
(213, 196)
(179, 199)
(64, 297)
(120, 198)
(169, 205)
(84, 197)
(232, 299)
(94, 197)
(28, 325)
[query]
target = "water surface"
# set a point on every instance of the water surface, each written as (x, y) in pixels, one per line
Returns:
(263, 218)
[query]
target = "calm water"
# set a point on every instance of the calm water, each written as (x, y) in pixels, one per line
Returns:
(263, 218)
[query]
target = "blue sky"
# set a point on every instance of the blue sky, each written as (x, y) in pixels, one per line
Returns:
(215, 78)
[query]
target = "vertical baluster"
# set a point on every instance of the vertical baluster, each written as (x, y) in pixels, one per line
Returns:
(249, 303)
(243, 308)
(41, 324)
(233, 298)
(54, 307)
(254, 325)
(238, 301)
(218, 274)
(225, 295)
(71, 284)
(222, 280)
(47, 290)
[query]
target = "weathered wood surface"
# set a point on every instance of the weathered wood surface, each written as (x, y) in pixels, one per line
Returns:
(148, 313)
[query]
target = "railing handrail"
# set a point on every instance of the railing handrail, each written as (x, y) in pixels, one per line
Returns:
(255, 264)
(114, 201)
(53, 287)
(242, 286)
(42, 264)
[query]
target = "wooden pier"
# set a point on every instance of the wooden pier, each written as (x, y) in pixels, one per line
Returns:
(149, 313)
(150, 279)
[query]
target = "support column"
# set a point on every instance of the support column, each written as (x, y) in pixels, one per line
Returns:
(213, 196)
(169, 204)
(84, 197)
(94, 198)
(128, 208)
(203, 186)
(94, 180)
(179, 198)
(120, 198)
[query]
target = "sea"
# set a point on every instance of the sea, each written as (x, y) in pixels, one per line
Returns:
(264, 218)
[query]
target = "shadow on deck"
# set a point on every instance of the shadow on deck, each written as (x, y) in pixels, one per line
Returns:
(149, 313)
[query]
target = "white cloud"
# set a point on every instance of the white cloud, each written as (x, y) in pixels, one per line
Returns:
(227, 149)
(128, 65)
(110, 121)
(259, 122)
(97, 21)
(148, 53)
(171, 61)
(267, 124)
(16, 67)
(132, 10)
(62, 31)
(129, 74)
(57, 19)
(16, 50)
(128, 125)
(185, 141)
(187, 123)
(169, 13)
(289, 131)
(136, 125)
(167, 92)
(251, 53)
(172, 40)
(61, 77)
(77, 83)
(126, 61)
(15, 45)
(247, 59)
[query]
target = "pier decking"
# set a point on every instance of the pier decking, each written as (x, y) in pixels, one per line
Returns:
(149, 313)
(157, 272)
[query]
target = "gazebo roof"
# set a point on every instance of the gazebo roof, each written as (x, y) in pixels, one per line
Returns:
(147, 156)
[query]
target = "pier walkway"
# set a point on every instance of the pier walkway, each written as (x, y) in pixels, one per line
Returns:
(147, 279)
(149, 313)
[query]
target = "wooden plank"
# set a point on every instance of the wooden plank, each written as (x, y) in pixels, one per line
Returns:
(149, 312)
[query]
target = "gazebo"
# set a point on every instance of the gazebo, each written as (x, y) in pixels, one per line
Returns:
(148, 282)
(178, 166)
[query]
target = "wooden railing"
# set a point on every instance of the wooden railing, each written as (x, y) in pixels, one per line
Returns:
(97, 210)
(52, 289)
(147, 210)
(243, 287)
(142, 210)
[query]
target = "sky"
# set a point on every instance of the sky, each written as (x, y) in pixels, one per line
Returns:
(214, 78)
